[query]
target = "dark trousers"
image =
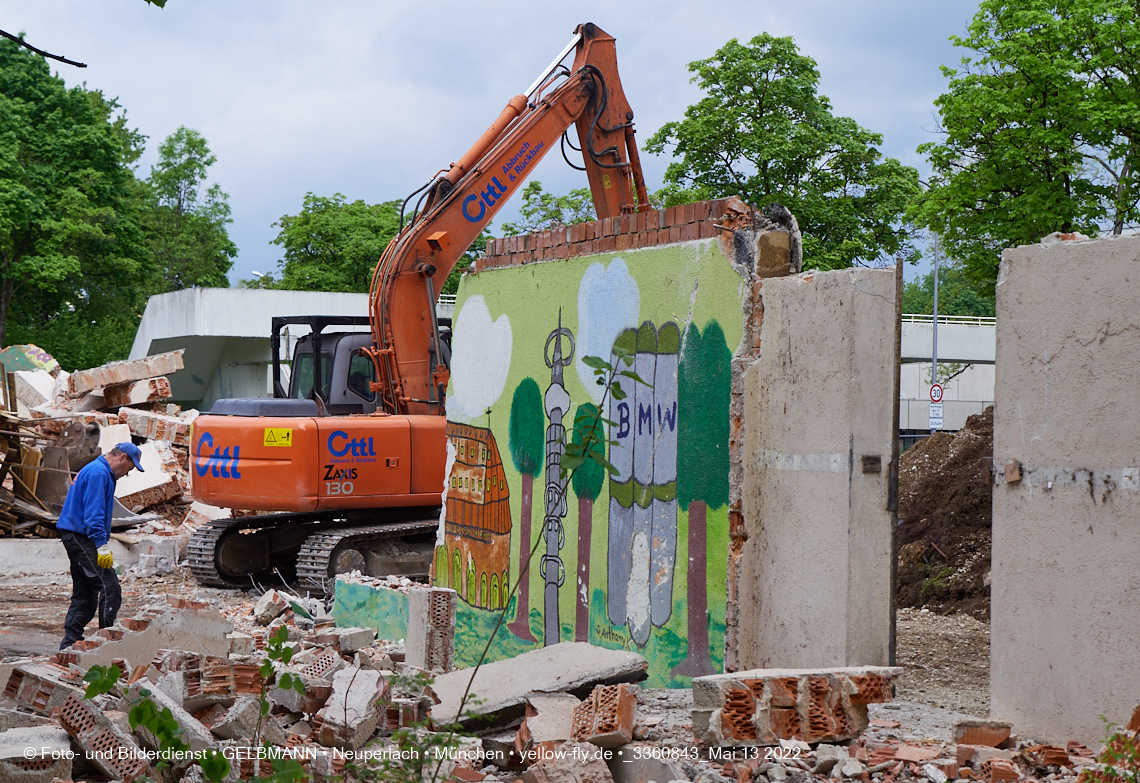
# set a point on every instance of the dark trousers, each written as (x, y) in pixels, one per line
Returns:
(92, 588)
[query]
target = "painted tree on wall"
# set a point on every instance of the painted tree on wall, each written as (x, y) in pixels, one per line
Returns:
(587, 485)
(528, 450)
(704, 390)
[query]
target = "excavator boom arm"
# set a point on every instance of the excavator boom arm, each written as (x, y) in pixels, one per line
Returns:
(459, 205)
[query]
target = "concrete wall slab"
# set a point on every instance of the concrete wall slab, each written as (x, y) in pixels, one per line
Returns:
(815, 583)
(1065, 635)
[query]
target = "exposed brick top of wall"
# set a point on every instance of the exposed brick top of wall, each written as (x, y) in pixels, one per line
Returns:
(609, 235)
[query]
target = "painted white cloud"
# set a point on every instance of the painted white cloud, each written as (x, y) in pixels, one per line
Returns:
(480, 360)
(608, 301)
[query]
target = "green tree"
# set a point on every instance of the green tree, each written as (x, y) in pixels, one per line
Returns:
(333, 245)
(527, 442)
(186, 229)
(763, 133)
(1040, 129)
(72, 253)
(451, 283)
(704, 386)
(541, 210)
(957, 294)
(587, 484)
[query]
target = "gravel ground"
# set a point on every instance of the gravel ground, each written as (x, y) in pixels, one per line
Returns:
(947, 661)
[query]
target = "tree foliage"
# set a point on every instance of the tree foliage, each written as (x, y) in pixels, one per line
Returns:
(762, 132)
(72, 249)
(333, 245)
(957, 294)
(187, 221)
(1039, 129)
(541, 210)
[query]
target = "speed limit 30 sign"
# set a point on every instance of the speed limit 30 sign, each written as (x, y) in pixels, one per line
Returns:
(936, 393)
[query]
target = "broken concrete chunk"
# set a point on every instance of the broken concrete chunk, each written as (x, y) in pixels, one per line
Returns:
(241, 722)
(157, 426)
(35, 387)
(241, 643)
(991, 733)
(549, 720)
(352, 639)
(325, 665)
(503, 685)
(637, 768)
(193, 733)
(162, 479)
(126, 371)
(137, 392)
(352, 712)
(105, 745)
(430, 641)
(576, 762)
(317, 693)
(269, 606)
(49, 759)
(41, 686)
(606, 717)
(762, 706)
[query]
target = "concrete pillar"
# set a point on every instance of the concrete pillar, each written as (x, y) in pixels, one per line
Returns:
(820, 424)
(1064, 638)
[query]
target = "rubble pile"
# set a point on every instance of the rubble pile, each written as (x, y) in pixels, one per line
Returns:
(945, 514)
(568, 713)
(52, 423)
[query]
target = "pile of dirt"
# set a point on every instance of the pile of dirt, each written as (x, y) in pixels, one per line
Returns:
(945, 513)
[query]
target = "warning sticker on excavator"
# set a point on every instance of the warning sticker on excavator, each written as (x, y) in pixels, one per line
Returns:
(278, 436)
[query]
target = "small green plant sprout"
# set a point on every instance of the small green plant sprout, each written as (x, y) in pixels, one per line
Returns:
(277, 651)
(159, 723)
(591, 443)
(1119, 762)
(215, 766)
(101, 679)
(163, 728)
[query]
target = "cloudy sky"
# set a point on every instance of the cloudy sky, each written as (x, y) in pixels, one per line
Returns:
(370, 99)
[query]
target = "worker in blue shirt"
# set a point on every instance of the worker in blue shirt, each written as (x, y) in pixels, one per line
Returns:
(85, 528)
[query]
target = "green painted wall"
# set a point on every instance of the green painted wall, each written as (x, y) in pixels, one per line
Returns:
(624, 561)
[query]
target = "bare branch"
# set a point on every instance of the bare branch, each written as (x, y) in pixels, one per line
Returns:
(41, 52)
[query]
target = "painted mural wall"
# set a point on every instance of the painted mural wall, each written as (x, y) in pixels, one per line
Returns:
(634, 560)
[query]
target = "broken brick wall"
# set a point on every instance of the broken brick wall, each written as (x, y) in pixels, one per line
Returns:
(1065, 641)
(637, 560)
(820, 412)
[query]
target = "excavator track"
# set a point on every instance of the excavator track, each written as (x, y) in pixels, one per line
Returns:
(315, 566)
(239, 552)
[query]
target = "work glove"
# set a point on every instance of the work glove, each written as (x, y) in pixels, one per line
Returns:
(105, 559)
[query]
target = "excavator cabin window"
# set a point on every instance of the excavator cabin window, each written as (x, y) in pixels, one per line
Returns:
(302, 385)
(361, 372)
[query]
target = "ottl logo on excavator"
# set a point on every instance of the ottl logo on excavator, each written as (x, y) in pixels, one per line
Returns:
(359, 447)
(220, 464)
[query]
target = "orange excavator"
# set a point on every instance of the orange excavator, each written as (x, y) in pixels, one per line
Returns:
(351, 457)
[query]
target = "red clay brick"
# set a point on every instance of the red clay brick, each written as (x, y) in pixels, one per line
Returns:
(991, 734)
(689, 232)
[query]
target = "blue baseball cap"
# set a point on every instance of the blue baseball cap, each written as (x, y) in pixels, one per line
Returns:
(132, 451)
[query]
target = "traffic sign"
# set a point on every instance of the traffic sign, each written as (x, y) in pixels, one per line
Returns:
(936, 393)
(935, 415)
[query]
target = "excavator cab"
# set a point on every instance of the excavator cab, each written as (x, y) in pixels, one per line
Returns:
(345, 370)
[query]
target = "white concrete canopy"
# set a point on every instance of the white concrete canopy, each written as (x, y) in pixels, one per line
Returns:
(225, 332)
